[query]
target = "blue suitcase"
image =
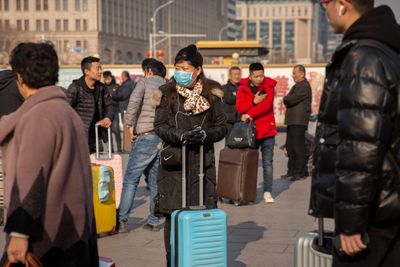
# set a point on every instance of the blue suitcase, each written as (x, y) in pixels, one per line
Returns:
(198, 235)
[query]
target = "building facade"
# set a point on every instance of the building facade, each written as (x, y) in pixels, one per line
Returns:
(293, 30)
(116, 30)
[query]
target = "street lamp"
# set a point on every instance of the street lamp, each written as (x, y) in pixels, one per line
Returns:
(224, 28)
(153, 20)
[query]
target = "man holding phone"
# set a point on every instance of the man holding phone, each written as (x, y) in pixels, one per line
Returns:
(255, 100)
(298, 110)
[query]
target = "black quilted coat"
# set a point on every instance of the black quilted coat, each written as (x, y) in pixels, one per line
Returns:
(356, 176)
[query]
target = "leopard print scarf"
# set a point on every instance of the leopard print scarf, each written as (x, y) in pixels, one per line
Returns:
(194, 101)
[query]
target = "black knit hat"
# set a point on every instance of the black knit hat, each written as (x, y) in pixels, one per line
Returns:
(190, 53)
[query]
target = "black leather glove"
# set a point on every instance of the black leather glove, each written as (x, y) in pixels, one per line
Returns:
(194, 136)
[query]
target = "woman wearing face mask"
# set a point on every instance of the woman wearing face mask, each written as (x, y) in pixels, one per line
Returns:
(191, 112)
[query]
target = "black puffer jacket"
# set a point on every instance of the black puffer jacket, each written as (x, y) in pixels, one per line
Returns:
(169, 181)
(230, 90)
(356, 176)
(83, 100)
(10, 98)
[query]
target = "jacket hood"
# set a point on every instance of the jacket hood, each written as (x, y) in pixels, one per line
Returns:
(379, 24)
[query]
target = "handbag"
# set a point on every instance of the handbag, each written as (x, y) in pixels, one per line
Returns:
(30, 261)
(243, 135)
(171, 156)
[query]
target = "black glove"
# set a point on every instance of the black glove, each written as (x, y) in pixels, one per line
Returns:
(194, 136)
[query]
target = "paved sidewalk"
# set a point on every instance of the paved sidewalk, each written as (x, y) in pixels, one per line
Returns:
(259, 235)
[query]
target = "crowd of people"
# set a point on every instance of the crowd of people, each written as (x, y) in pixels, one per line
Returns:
(47, 134)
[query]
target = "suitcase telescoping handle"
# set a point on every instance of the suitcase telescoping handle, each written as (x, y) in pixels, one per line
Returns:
(98, 144)
(201, 176)
(320, 231)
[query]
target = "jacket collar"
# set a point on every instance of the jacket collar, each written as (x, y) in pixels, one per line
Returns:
(9, 122)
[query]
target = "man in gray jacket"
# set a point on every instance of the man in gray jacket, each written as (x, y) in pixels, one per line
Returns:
(146, 146)
(298, 105)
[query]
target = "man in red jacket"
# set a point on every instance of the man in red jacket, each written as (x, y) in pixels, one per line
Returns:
(255, 100)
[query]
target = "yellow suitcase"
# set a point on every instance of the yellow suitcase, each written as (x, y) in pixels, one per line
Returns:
(105, 211)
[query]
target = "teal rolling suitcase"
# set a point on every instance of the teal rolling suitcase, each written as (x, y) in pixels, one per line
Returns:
(198, 235)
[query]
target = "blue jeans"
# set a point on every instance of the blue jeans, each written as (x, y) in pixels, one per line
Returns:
(145, 153)
(267, 154)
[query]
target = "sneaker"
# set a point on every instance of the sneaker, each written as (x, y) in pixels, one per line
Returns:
(151, 227)
(268, 198)
(123, 227)
(287, 176)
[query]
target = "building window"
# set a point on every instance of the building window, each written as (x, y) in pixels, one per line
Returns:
(26, 5)
(65, 5)
(85, 25)
(289, 38)
(306, 12)
(58, 25)
(84, 45)
(78, 44)
(78, 25)
(6, 5)
(66, 45)
(19, 25)
(7, 24)
(58, 5)
(238, 11)
(26, 25)
(38, 25)
(46, 5)
(276, 36)
(38, 5)
(251, 30)
(85, 5)
(46, 26)
(65, 25)
(19, 7)
(77, 5)
(254, 12)
(264, 31)
(1, 5)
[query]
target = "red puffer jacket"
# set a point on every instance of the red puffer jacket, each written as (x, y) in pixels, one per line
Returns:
(263, 113)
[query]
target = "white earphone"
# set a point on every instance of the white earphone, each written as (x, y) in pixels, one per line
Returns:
(341, 10)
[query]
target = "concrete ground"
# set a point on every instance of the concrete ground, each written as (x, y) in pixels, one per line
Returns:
(259, 235)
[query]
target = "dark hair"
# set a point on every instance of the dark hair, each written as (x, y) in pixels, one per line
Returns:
(157, 68)
(86, 63)
(191, 54)
(363, 5)
(125, 73)
(234, 68)
(301, 68)
(107, 73)
(146, 62)
(36, 63)
(255, 66)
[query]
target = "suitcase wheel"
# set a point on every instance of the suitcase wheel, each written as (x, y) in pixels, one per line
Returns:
(236, 203)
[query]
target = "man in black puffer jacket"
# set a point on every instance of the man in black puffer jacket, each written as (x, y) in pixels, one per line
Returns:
(357, 150)
(89, 97)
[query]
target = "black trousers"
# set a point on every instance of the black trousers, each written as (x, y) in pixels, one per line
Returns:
(295, 147)
(167, 234)
(382, 251)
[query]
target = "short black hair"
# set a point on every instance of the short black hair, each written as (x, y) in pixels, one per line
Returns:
(36, 63)
(363, 5)
(126, 74)
(234, 68)
(301, 68)
(255, 66)
(86, 63)
(157, 68)
(146, 62)
(107, 73)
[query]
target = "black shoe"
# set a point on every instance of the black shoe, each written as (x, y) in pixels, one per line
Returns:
(297, 178)
(151, 227)
(287, 176)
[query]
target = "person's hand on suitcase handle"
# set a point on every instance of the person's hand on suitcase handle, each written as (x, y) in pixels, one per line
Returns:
(246, 118)
(350, 244)
(195, 136)
(106, 122)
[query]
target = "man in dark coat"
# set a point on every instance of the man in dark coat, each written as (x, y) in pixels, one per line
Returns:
(90, 99)
(356, 174)
(298, 110)
(230, 90)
